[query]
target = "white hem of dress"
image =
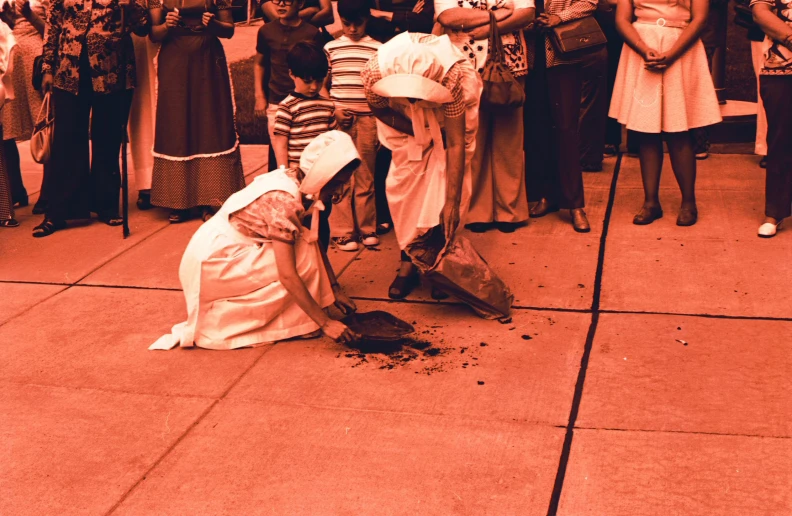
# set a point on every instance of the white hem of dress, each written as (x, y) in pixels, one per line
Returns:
(194, 156)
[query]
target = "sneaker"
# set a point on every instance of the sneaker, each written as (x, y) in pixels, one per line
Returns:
(702, 155)
(344, 244)
(369, 239)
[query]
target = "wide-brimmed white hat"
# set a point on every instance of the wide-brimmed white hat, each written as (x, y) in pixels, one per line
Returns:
(415, 72)
(325, 157)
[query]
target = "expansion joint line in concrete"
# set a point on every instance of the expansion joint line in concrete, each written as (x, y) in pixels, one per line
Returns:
(184, 435)
(76, 283)
(558, 485)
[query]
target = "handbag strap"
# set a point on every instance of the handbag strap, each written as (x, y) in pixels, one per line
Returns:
(495, 42)
(45, 111)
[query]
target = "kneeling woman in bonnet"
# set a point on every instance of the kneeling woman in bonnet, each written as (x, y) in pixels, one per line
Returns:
(253, 274)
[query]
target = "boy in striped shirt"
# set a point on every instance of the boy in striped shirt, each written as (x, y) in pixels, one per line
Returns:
(355, 217)
(304, 114)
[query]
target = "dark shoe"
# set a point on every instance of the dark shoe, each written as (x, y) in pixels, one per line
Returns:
(687, 217)
(207, 212)
(478, 227)
(48, 227)
(647, 215)
(179, 216)
(438, 295)
(763, 162)
(40, 208)
(507, 227)
(144, 201)
(110, 218)
(384, 228)
(22, 202)
(610, 150)
(9, 223)
(542, 208)
(579, 220)
(402, 286)
(591, 167)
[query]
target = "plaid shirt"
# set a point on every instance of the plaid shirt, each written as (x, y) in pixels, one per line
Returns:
(567, 10)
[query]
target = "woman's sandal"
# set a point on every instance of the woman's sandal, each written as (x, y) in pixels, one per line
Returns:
(110, 219)
(9, 223)
(402, 286)
(48, 227)
(207, 213)
(179, 216)
(438, 294)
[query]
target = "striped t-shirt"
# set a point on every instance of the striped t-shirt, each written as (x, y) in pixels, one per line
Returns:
(347, 59)
(302, 119)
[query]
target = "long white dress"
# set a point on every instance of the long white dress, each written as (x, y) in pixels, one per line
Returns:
(231, 284)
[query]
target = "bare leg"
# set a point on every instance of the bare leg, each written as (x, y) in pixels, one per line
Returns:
(683, 161)
(651, 158)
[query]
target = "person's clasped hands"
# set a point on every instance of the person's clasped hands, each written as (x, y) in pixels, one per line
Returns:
(546, 21)
(656, 61)
(172, 19)
(344, 118)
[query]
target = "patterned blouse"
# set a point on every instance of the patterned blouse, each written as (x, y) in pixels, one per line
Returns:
(276, 215)
(514, 46)
(71, 24)
(778, 58)
(452, 82)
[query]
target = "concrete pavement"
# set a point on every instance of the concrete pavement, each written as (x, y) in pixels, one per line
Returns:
(646, 372)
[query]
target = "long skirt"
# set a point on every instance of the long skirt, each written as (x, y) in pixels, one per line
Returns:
(6, 205)
(196, 148)
(19, 114)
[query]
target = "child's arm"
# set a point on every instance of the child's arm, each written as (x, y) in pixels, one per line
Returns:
(280, 146)
(624, 18)
(260, 109)
(162, 23)
(281, 129)
(699, 11)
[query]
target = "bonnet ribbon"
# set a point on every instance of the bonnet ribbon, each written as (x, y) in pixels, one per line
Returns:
(313, 234)
(420, 116)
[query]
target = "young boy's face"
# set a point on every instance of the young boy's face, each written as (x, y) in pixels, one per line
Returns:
(287, 9)
(307, 87)
(354, 30)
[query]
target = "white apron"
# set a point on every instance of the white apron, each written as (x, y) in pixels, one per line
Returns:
(231, 284)
(416, 188)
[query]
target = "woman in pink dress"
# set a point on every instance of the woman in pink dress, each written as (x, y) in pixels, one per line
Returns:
(663, 90)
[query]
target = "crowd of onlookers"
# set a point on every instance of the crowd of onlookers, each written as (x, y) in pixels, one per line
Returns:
(165, 72)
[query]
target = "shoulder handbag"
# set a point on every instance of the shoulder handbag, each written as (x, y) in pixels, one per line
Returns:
(500, 87)
(38, 72)
(577, 35)
(41, 141)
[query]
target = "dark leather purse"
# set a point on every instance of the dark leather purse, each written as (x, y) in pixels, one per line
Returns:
(577, 36)
(500, 87)
(38, 72)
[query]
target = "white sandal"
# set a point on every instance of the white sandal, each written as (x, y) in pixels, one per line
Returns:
(768, 229)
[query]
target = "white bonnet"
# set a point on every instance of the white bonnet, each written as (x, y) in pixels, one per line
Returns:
(323, 158)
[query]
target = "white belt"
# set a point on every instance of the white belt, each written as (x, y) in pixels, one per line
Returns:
(662, 22)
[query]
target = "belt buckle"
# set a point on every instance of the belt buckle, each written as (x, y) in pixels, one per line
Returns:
(661, 22)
